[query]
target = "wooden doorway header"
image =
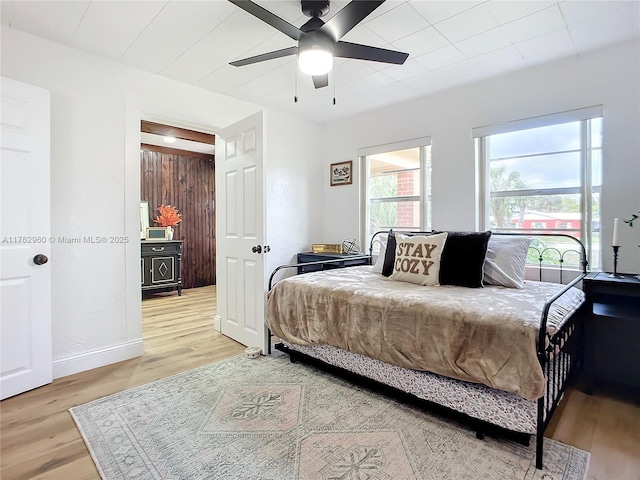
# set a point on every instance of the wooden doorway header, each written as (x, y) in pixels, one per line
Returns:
(182, 133)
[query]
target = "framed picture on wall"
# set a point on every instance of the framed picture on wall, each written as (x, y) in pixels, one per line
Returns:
(342, 173)
(144, 219)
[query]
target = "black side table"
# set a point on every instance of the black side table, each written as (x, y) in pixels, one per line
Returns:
(612, 333)
(347, 260)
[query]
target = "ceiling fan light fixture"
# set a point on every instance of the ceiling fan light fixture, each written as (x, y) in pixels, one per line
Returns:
(315, 59)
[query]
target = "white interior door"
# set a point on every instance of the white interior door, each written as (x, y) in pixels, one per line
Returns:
(25, 273)
(240, 231)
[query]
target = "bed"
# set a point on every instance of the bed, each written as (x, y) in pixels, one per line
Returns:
(443, 318)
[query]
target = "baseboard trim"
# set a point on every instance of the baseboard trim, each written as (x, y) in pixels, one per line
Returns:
(216, 322)
(97, 358)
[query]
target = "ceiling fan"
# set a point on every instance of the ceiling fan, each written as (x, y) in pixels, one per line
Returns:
(319, 42)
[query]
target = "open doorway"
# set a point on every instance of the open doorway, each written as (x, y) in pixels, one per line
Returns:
(239, 225)
(177, 170)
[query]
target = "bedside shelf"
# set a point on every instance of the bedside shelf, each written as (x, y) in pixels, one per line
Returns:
(628, 312)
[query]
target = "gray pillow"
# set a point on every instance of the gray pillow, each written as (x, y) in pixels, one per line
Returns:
(505, 261)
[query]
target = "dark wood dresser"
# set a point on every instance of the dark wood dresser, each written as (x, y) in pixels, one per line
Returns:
(160, 264)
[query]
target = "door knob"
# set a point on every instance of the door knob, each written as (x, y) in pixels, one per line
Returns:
(257, 249)
(40, 259)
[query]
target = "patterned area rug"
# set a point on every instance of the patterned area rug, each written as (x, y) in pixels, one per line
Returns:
(269, 419)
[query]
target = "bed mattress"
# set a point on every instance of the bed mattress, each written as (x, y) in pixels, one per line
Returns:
(482, 335)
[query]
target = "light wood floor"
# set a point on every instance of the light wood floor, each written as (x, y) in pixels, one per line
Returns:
(38, 438)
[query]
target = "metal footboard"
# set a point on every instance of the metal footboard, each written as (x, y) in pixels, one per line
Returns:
(562, 359)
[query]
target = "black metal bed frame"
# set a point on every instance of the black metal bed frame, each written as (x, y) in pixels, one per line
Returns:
(561, 355)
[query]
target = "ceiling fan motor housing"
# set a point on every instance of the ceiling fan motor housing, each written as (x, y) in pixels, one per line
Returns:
(315, 8)
(312, 25)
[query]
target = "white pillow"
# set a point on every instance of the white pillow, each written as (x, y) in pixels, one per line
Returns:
(418, 259)
(377, 268)
(505, 261)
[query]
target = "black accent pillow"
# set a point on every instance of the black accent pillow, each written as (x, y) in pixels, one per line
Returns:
(462, 259)
(389, 254)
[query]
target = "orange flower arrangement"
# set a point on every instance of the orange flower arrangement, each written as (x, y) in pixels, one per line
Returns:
(169, 216)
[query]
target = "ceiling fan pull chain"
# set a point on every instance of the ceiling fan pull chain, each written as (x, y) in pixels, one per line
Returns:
(334, 86)
(295, 81)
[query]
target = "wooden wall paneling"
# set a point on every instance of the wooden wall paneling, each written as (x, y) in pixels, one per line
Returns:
(200, 191)
(209, 213)
(201, 195)
(190, 193)
(189, 184)
(189, 219)
(195, 191)
(166, 190)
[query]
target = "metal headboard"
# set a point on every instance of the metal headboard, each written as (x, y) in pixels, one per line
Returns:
(540, 250)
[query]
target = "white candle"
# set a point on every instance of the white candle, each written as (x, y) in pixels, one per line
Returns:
(616, 226)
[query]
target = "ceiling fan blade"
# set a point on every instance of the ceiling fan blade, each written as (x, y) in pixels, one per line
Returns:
(347, 18)
(366, 52)
(265, 56)
(320, 81)
(269, 18)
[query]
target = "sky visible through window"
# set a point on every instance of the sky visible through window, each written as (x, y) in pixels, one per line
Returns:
(543, 167)
(522, 151)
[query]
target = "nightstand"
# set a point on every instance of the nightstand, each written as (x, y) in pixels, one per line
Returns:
(612, 334)
(347, 260)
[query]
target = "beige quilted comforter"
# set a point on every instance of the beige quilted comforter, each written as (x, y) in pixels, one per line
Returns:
(485, 335)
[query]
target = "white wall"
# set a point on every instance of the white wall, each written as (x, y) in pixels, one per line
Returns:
(293, 191)
(610, 77)
(96, 106)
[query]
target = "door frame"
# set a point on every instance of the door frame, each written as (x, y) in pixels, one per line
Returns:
(133, 116)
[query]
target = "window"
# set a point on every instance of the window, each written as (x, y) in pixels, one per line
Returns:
(544, 175)
(396, 188)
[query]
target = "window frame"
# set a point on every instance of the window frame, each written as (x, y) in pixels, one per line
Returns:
(424, 198)
(586, 190)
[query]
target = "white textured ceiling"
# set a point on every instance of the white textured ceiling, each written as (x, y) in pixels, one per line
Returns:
(450, 43)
